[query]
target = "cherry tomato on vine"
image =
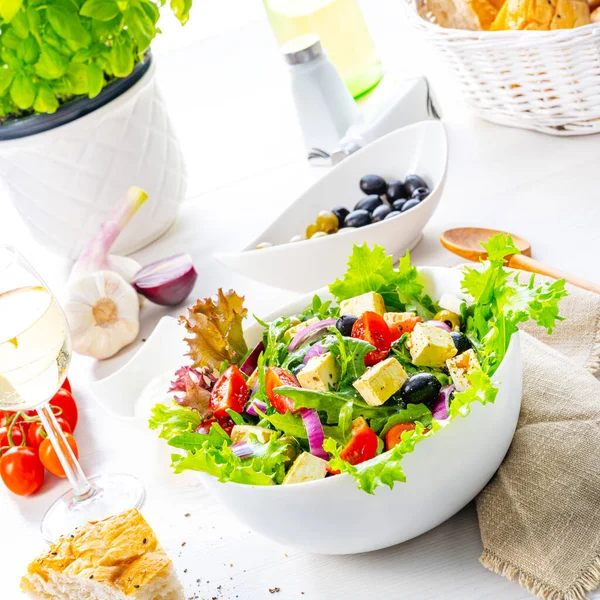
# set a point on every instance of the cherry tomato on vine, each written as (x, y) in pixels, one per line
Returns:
(36, 433)
(17, 434)
(373, 329)
(21, 470)
(64, 400)
(49, 457)
(66, 385)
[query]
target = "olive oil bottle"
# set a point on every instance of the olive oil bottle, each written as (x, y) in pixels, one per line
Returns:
(344, 35)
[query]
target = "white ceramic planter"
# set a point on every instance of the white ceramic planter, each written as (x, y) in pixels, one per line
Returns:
(66, 180)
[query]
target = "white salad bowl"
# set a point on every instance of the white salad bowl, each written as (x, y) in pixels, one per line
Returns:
(332, 516)
(421, 148)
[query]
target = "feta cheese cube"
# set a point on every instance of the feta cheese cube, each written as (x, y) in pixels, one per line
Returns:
(306, 467)
(393, 319)
(430, 346)
(252, 379)
(288, 336)
(381, 381)
(371, 301)
(241, 433)
(320, 373)
(461, 367)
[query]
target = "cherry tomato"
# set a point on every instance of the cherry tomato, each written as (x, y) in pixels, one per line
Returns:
(16, 432)
(373, 329)
(362, 445)
(64, 401)
(230, 391)
(277, 377)
(50, 459)
(35, 436)
(8, 416)
(399, 329)
(394, 435)
(66, 385)
(21, 470)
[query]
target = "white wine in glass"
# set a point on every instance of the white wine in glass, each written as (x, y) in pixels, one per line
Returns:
(35, 351)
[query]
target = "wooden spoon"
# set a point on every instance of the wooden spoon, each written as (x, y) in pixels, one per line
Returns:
(466, 242)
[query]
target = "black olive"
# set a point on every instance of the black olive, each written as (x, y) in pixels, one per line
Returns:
(411, 183)
(345, 323)
(422, 388)
(420, 193)
(391, 215)
(398, 204)
(396, 398)
(381, 212)
(341, 213)
(373, 184)
(461, 341)
(297, 369)
(410, 204)
(369, 203)
(395, 190)
(358, 218)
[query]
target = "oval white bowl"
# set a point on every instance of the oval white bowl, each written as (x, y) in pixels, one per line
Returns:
(332, 516)
(421, 148)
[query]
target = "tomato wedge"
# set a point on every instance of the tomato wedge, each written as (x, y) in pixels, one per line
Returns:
(399, 329)
(394, 435)
(373, 329)
(276, 377)
(362, 445)
(230, 391)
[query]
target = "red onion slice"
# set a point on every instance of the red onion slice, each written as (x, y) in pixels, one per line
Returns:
(251, 362)
(314, 429)
(251, 410)
(439, 325)
(441, 410)
(315, 350)
(242, 450)
(167, 282)
(308, 332)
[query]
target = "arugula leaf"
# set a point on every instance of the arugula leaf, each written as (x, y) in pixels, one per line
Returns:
(413, 413)
(320, 309)
(275, 349)
(349, 354)
(332, 403)
(343, 430)
(385, 469)
(173, 420)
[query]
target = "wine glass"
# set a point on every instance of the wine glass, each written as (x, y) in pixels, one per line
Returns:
(35, 351)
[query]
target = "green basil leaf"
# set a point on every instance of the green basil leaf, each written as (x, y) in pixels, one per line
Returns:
(6, 77)
(65, 21)
(95, 78)
(77, 78)
(20, 24)
(28, 50)
(101, 10)
(102, 30)
(22, 91)
(181, 9)
(140, 26)
(10, 39)
(51, 64)
(121, 56)
(45, 101)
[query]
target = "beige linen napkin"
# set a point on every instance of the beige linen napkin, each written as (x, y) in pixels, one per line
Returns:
(540, 515)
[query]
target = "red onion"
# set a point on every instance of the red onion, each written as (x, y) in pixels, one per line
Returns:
(251, 410)
(167, 282)
(251, 362)
(315, 350)
(314, 429)
(242, 449)
(441, 410)
(440, 325)
(309, 332)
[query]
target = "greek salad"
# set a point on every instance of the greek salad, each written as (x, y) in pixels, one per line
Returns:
(349, 385)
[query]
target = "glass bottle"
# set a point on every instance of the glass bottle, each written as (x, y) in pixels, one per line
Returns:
(343, 32)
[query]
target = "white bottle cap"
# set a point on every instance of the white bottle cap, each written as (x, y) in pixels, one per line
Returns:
(302, 49)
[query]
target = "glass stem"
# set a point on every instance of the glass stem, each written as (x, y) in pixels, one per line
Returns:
(82, 489)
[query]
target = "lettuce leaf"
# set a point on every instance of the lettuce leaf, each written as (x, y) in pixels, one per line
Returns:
(173, 420)
(385, 469)
(215, 331)
(481, 390)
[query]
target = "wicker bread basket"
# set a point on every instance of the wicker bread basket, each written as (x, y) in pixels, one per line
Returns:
(548, 81)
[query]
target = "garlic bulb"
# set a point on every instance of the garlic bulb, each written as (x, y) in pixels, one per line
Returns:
(103, 312)
(103, 307)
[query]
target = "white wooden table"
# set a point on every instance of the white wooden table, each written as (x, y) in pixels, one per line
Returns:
(227, 90)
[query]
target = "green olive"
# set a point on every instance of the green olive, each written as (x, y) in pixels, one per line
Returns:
(327, 222)
(449, 317)
(311, 230)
